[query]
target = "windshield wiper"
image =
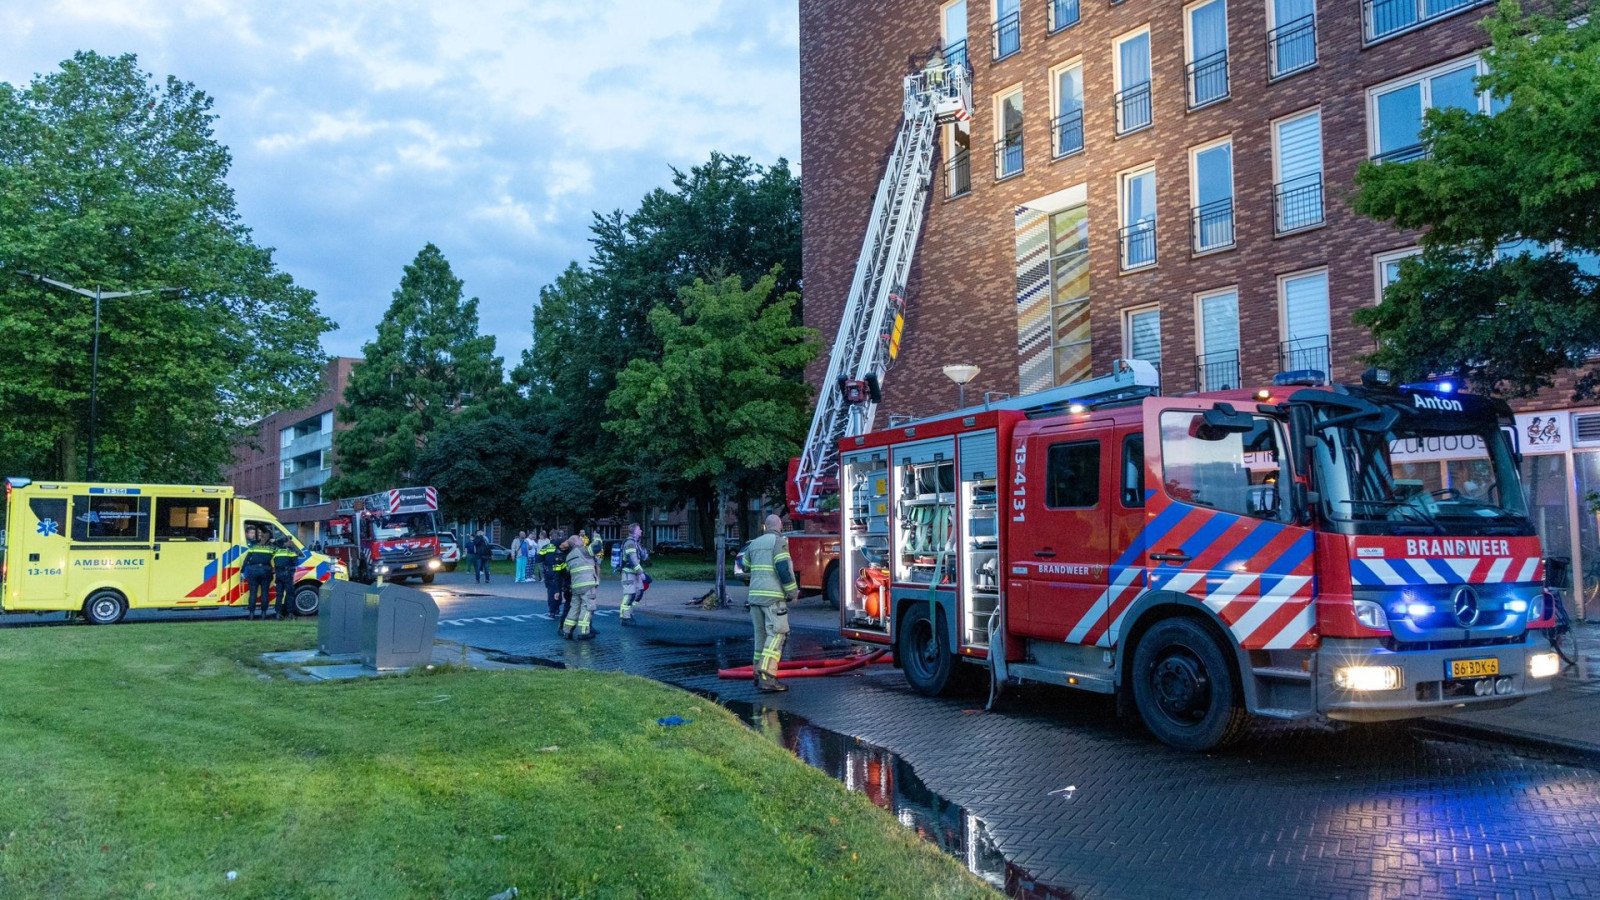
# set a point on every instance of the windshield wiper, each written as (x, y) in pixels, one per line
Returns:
(1418, 515)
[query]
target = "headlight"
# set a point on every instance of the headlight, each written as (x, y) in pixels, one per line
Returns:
(1370, 614)
(1367, 678)
(1543, 665)
(383, 570)
(433, 564)
(1542, 603)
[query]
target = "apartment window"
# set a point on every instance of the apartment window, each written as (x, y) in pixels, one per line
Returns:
(1396, 109)
(1138, 199)
(1066, 84)
(1382, 18)
(1063, 14)
(1303, 299)
(1211, 184)
(327, 423)
(1141, 334)
(1388, 268)
(958, 156)
(1297, 171)
(953, 22)
(1291, 36)
(286, 468)
(1069, 294)
(286, 437)
(1217, 366)
(1007, 30)
(1008, 134)
(1206, 34)
(326, 460)
(1132, 60)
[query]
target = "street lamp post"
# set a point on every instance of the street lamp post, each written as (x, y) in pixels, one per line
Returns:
(961, 373)
(94, 357)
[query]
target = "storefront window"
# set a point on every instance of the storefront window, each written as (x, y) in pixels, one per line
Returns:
(1586, 569)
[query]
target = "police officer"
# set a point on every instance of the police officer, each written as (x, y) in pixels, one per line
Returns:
(257, 570)
(284, 560)
(548, 555)
(772, 589)
(632, 573)
(585, 586)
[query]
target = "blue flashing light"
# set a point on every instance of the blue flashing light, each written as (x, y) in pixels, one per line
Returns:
(1517, 606)
(1418, 610)
(1305, 377)
(1446, 387)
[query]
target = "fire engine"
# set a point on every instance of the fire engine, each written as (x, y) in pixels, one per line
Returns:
(392, 535)
(1283, 553)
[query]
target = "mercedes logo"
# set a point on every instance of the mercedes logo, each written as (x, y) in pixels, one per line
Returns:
(1465, 603)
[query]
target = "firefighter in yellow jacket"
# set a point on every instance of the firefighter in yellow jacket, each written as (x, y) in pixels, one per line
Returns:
(585, 586)
(772, 589)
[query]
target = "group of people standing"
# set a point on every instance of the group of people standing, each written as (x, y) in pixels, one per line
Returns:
(569, 566)
(268, 562)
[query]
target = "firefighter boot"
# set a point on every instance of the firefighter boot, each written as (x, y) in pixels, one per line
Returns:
(769, 684)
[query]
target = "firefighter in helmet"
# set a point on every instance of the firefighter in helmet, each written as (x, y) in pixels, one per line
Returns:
(633, 576)
(772, 589)
(585, 585)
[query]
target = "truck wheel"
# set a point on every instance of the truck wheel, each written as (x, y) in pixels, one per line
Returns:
(428, 578)
(105, 607)
(306, 599)
(830, 587)
(1185, 689)
(922, 653)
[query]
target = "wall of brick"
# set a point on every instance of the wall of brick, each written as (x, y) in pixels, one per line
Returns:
(257, 467)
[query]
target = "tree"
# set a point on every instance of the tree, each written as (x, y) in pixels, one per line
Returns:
(720, 412)
(108, 179)
(427, 365)
(558, 495)
(1504, 291)
(480, 465)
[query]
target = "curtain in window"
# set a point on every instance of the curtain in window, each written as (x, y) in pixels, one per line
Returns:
(1287, 12)
(1305, 308)
(1135, 60)
(1208, 30)
(1299, 148)
(1219, 323)
(1069, 91)
(1140, 204)
(1144, 336)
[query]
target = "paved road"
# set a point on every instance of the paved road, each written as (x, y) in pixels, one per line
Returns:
(1097, 809)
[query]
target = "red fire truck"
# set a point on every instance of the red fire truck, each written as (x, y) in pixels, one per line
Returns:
(1284, 553)
(391, 534)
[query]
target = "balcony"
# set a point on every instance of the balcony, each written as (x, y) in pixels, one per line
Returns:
(1382, 18)
(1008, 156)
(1216, 371)
(1211, 225)
(1063, 14)
(1006, 36)
(1137, 244)
(1298, 203)
(958, 175)
(1292, 48)
(1133, 108)
(1305, 353)
(1208, 79)
(1068, 131)
(1402, 154)
(956, 55)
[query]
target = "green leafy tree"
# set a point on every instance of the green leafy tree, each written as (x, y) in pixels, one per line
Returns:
(109, 179)
(558, 497)
(720, 411)
(480, 466)
(427, 365)
(1490, 190)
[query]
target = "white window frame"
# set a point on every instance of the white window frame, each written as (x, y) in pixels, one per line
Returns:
(1368, 38)
(1200, 330)
(1117, 87)
(944, 23)
(1123, 178)
(1283, 306)
(994, 33)
(1188, 54)
(1273, 25)
(1127, 328)
(1425, 78)
(1194, 195)
(998, 108)
(1055, 106)
(1277, 165)
(1380, 261)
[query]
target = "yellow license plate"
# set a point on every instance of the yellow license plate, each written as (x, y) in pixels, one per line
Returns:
(1474, 668)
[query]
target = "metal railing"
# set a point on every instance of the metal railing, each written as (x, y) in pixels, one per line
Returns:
(956, 55)
(1297, 203)
(1305, 353)
(1216, 371)
(1068, 131)
(1208, 79)
(1008, 156)
(1293, 46)
(1137, 243)
(1212, 225)
(1382, 18)
(1007, 35)
(958, 175)
(1133, 107)
(1063, 14)
(1402, 154)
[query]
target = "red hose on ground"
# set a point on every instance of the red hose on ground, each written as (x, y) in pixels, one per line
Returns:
(811, 668)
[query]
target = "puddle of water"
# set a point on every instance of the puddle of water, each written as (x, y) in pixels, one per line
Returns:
(892, 785)
(516, 659)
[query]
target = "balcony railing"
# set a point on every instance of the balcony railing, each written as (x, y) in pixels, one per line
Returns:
(1008, 156)
(956, 55)
(1063, 14)
(958, 174)
(1293, 47)
(1301, 354)
(1068, 130)
(1138, 244)
(1298, 203)
(1402, 154)
(1133, 108)
(1208, 79)
(1007, 35)
(1216, 371)
(1212, 225)
(1382, 18)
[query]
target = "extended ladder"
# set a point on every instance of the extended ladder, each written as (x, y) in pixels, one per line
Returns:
(869, 331)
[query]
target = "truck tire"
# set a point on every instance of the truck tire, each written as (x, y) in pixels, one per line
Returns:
(307, 597)
(830, 586)
(105, 607)
(1185, 689)
(922, 652)
(428, 578)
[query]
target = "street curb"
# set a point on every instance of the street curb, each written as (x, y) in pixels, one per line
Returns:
(1512, 736)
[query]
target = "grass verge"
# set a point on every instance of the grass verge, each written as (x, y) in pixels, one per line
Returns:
(150, 760)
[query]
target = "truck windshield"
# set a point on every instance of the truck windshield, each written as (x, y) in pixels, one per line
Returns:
(1431, 472)
(402, 527)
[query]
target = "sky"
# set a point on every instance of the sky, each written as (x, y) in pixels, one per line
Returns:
(362, 130)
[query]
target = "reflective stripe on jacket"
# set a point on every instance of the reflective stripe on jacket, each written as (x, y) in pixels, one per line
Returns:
(581, 564)
(258, 555)
(771, 572)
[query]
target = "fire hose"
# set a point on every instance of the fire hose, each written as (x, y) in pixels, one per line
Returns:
(812, 668)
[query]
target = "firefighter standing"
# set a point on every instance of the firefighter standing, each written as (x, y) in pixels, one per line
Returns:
(257, 570)
(632, 573)
(585, 585)
(284, 560)
(772, 589)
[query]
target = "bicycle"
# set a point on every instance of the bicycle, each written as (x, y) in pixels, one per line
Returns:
(1561, 637)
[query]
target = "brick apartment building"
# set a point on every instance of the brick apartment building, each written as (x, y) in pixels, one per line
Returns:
(1152, 179)
(290, 458)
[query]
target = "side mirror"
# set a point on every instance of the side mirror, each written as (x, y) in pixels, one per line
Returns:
(1558, 573)
(1220, 421)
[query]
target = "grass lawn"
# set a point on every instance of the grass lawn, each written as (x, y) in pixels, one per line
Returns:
(149, 760)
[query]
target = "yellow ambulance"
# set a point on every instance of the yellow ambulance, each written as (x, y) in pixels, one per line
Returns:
(103, 549)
